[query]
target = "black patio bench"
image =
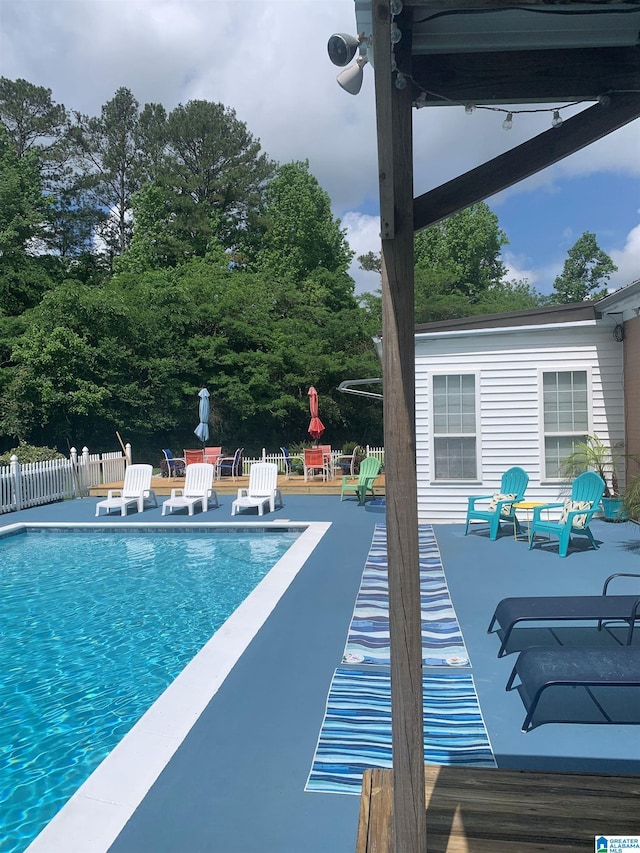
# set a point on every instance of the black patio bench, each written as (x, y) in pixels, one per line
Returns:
(604, 608)
(539, 668)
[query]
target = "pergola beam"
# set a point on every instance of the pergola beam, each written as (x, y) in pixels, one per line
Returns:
(532, 156)
(534, 76)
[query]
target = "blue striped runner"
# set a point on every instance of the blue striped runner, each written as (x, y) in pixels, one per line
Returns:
(356, 732)
(368, 637)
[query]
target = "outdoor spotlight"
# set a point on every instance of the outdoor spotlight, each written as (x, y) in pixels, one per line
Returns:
(342, 48)
(351, 78)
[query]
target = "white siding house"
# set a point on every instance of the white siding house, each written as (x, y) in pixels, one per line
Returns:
(511, 389)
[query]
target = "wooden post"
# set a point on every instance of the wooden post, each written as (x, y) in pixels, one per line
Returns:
(395, 163)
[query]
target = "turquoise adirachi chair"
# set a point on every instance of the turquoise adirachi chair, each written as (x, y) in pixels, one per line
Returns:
(512, 488)
(577, 512)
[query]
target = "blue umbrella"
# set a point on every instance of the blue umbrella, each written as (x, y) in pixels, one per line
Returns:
(202, 430)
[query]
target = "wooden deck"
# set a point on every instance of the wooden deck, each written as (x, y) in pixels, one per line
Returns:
(486, 810)
(295, 485)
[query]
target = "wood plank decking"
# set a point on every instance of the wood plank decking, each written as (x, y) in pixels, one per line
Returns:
(487, 810)
(295, 485)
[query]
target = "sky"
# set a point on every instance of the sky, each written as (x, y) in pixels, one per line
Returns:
(267, 60)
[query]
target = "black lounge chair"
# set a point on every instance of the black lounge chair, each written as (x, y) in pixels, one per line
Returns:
(604, 608)
(539, 668)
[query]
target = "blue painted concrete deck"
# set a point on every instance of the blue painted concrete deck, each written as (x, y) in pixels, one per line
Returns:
(236, 784)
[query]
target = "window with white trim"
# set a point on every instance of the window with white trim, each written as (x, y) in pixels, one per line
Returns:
(454, 427)
(565, 401)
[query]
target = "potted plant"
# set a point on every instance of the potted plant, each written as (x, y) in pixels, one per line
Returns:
(592, 454)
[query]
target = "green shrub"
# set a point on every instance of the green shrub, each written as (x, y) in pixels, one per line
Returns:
(29, 453)
(631, 499)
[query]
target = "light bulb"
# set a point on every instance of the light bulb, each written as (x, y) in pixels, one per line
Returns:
(396, 35)
(401, 81)
(470, 109)
(395, 7)
(557, 119)
(507, 124)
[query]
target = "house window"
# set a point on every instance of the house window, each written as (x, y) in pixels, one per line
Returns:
(454, 427)
(566, 416)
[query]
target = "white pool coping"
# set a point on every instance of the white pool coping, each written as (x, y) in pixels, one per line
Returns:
(94, 816)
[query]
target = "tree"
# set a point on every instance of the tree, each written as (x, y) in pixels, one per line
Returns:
(461, 253)
(22, 205)
(107, 148)
(29, 115)
(300, 235)
(371, 262)
(586, 269)
(217, 166)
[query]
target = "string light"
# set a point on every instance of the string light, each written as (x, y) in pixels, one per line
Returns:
(396, 33)
(421, 100)
(395, 7)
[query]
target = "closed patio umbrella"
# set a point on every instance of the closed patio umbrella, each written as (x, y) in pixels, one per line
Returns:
(316, 427)
(202, 430)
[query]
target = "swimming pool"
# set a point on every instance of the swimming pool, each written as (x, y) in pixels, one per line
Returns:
(90, 651)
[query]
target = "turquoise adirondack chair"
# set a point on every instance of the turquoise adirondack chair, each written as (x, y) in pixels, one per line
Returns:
(577, 512)
(363, 482)
(501, 507)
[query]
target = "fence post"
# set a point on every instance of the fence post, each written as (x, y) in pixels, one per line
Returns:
(73, 456)
(127, 453)
(85, 470)
(17, 484)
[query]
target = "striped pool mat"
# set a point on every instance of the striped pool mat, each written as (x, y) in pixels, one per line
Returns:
(368, 637)
(356, 730)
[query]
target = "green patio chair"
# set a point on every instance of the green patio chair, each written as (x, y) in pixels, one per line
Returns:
(501, 504)
(363, 483)
(577, 512)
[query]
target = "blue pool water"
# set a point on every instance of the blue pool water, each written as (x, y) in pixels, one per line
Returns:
(93, 627)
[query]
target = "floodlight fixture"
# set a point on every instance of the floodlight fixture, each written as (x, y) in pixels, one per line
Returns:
(351, 78)
(342, 48)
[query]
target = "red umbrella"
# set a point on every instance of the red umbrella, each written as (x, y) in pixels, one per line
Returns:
(316, 427)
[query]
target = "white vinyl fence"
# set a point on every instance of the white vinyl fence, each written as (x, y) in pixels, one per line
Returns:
(36, 483)
(278, 458)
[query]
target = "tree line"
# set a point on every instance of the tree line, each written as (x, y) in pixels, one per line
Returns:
(145, 253)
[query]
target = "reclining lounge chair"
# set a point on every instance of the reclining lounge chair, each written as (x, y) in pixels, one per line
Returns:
(136, 491)
(197, 489)
(540, 668)
(262, 489)
(561, 608)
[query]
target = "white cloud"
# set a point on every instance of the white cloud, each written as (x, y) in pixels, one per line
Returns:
(627, 260)
(518, 268)
(363, 234)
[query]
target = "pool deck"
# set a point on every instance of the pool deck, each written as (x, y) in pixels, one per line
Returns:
(236, 782)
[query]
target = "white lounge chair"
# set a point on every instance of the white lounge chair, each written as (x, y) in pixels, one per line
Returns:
(197, 489)
(136, 491)
(262, 489)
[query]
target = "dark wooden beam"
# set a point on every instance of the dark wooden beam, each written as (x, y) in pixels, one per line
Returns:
(532, 156)
(548, 76)
(395, 163)
(470, 5)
